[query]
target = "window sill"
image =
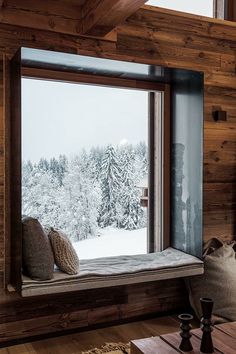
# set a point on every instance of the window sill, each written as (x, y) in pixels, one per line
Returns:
(116, 271)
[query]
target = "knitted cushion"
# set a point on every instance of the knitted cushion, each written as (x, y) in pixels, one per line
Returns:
(37, 255)
(64, 253)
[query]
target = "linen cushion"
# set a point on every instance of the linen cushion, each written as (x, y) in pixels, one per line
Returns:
(64, 253)
(218, 281)
(37, 255)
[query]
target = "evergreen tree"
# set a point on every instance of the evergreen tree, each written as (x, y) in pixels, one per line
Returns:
(80, 200)
(95, 189)
(96, 157)
(141, 158)
(43, 164)
(39, 196)
(110, 187)
(130, 194)
(62, 168)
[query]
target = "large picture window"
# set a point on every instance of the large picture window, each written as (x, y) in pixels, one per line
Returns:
(101, 150)
(85, 164)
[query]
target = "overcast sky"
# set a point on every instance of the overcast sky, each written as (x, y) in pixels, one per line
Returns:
(61, 118)
(198, 7)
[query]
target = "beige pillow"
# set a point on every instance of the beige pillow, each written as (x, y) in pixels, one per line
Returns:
(37, 255)
(64, 253)
(218, 282)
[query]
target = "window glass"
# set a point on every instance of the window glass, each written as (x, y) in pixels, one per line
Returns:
(85, 164)
(199, 7)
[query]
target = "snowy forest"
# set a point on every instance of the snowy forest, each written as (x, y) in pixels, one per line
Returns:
(93, 190)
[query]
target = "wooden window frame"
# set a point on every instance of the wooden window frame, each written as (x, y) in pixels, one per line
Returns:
(225, 10)
(158, 91)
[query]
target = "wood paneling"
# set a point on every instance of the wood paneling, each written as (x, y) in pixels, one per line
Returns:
(20, 317)
(62, 16)
(52, 15)
(149, 36)
(229, 10)
(2, 174)
(13, 165)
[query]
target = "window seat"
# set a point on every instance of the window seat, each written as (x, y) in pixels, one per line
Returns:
(120, 270)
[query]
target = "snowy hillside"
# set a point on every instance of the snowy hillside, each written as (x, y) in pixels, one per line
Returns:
(113, 242)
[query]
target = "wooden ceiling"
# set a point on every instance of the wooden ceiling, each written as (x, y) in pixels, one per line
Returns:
(100, 17)
(94, 18)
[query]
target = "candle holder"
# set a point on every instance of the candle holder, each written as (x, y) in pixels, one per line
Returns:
(185, 333)
(206, 325)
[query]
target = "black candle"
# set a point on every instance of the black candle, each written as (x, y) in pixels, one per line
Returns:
(185, 333)
(206, 325)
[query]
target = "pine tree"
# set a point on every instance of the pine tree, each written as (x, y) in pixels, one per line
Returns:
(43, 164)
(62, 168)
(80, 203)
(96, 157)
(39, 196)
(110, 187)
(141, 160)
(130, 194)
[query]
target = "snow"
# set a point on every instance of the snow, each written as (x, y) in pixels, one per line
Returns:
(113, 242)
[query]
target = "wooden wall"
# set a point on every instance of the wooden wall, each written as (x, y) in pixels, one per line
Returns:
(155, 37)
(1, 180)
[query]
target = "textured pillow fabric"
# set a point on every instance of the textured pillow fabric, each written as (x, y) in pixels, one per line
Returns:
(37, 255)
(64, 253)
(218, 282)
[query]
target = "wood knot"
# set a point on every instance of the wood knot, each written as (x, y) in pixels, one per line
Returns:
(152, 51)
(223, 143)
(51, 23)
(189, 39)
(201, 55)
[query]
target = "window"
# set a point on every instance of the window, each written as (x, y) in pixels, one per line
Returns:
(174, 158)
(200, 7)
(85, 164)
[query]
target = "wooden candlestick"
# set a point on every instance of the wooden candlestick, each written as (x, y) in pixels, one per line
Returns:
(206, 325)
(185, 334)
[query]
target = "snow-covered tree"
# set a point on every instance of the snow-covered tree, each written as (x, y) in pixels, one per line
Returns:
(110, 187)
(129, 194)
(96, 157)
(96, 188)
(39, 195)
(80, 204)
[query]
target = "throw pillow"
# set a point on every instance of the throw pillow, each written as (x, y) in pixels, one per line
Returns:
(218, 281)
(37, 255)
(64, 253)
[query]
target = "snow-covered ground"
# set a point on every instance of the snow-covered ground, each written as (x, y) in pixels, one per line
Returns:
(113, 242)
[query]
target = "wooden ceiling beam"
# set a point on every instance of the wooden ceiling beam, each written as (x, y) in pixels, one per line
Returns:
(99, 17)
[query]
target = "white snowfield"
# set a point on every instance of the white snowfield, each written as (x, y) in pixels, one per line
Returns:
(113, 242)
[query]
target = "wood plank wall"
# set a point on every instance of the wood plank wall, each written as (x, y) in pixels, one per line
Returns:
(157, 37)
(1, 180)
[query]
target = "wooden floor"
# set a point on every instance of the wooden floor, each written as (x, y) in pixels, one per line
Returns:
(76, 343)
